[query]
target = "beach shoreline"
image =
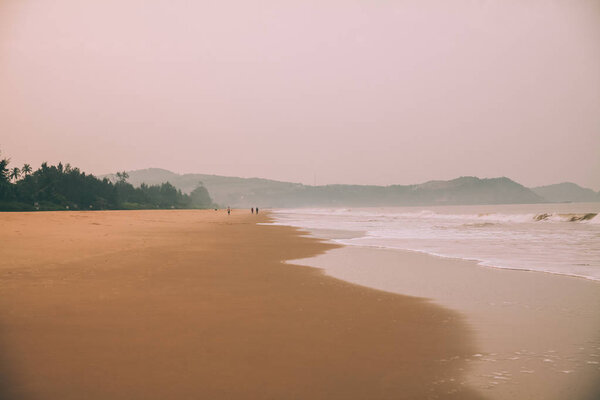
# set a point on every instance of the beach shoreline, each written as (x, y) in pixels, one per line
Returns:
(197, 304)
(538, 333)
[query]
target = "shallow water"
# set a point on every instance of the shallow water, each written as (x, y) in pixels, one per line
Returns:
(556, 238)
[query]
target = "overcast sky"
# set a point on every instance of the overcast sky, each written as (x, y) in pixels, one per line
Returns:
(377, 92)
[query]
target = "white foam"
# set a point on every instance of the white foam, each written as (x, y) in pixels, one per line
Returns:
(559, 239)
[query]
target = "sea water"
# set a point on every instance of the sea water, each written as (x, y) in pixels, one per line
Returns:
(554, 238)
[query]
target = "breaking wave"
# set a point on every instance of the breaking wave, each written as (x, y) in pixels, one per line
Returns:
(560, 240)
(475, 218)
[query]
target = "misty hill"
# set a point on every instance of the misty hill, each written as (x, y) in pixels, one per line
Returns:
(566, 192)
(224, 190)
(248, 192)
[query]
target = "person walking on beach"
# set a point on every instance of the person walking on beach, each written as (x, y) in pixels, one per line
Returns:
(252, 210)
(257, 210)
(228, 211)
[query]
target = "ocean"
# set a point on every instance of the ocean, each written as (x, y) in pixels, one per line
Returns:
(553, 238)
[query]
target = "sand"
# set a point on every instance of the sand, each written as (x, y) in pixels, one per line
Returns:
(538, 334)
(198, 305)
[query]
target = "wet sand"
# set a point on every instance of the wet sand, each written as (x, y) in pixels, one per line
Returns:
(196, 304)
(538, 334)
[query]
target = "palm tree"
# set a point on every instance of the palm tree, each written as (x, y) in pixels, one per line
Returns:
(26, 170)
(4, 169)
(15, 173)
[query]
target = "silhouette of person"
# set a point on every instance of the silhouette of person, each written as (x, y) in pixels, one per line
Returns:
(257, 210)
(228, 211)
(252, 210)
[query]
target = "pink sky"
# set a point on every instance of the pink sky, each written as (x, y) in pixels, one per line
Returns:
(370, 92)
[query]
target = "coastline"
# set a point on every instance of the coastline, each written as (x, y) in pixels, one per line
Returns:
(538, 333)
(196, 304)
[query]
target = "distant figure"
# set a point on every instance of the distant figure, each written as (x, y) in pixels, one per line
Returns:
(252, 210)
(257, 210)
(228, 211)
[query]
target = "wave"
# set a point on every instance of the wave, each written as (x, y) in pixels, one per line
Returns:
(542, 217)
(479, 225)
(551, 239)
(566, 217)
(473, 219)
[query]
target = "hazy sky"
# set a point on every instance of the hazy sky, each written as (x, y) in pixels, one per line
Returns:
(377, 92)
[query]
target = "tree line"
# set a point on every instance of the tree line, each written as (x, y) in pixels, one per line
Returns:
(62, 187)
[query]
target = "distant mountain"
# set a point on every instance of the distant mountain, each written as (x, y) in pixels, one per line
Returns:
(566, 192)
(248, 192)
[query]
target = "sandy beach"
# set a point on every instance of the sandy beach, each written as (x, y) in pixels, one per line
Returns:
(196, 304)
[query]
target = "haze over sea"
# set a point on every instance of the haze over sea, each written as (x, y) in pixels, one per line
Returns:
(555, 238)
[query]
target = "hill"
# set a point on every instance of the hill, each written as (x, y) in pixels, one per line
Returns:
(566, 192)
(248, 192)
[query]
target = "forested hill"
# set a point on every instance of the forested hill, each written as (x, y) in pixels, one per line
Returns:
(61, 187)
(248, 192)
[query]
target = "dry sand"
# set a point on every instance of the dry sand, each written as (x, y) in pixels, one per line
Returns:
(197, 305)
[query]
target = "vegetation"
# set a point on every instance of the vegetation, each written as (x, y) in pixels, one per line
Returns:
(61, 187)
